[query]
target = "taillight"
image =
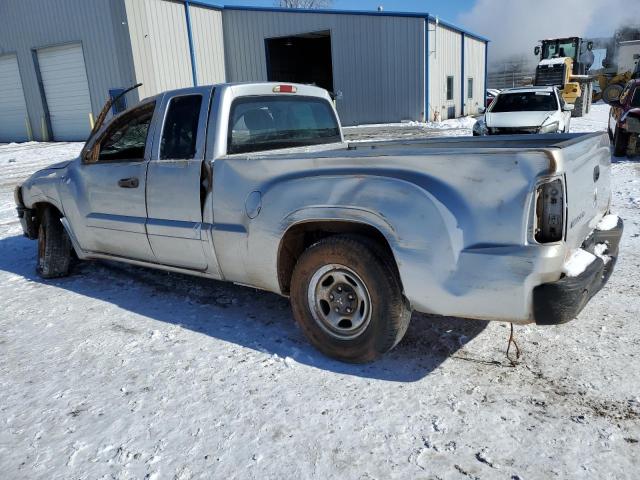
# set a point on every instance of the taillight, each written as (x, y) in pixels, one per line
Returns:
(284, 89)
(550, 212)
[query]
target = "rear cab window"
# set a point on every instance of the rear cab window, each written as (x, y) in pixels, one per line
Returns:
(267, 122)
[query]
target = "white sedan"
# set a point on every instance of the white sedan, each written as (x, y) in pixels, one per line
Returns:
(525, 110)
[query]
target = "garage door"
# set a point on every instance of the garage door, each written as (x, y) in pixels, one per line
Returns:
(64, 78)
(13, 110)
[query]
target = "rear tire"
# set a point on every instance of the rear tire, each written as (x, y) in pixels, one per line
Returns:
(620, 143)
(54, 246)
(347, 299)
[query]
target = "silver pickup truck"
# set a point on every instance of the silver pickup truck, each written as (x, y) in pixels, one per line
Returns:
(254, 184)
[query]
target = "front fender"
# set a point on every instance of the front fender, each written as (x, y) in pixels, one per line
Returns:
(44, 187)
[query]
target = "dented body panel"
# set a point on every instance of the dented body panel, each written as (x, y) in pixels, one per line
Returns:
(458, 214)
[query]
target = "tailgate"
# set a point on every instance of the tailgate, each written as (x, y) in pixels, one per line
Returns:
(586, 164)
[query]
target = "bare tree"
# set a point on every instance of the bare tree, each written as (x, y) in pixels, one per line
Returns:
(304, 3)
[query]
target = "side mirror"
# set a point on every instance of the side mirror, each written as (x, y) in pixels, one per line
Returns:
(589, 46)
(482, 110)
(90, 155)
(536, 50)
(568, 107)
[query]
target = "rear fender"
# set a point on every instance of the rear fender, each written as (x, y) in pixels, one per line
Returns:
(417, 226)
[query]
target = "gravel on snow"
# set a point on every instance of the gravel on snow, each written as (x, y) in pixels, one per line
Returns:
(121, 372)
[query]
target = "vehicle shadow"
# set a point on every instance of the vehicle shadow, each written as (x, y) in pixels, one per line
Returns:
(244, 316)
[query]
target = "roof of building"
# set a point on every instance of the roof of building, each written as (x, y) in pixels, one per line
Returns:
(423, 15)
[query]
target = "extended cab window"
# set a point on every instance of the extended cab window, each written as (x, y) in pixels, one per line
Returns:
(268, 122)
(181, 128)
(127, 136)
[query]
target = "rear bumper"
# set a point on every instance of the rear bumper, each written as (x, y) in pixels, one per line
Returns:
(561, 301)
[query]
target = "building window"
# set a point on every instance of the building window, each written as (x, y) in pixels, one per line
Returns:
(469, 88)
(450, 88)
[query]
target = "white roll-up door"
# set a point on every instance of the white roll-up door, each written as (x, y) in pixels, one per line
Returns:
(13, 109)
(64, 78)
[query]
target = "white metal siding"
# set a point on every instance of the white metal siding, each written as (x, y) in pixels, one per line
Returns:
(13, 110)
(445, 59)
(160, 45)
(378, 61)
(474, 51)
(64, 78)
(208, 44)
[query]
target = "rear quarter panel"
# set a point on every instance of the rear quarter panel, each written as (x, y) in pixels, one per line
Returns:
(437, 211)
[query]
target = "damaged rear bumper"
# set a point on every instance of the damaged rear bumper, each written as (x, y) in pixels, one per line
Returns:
(562, 301)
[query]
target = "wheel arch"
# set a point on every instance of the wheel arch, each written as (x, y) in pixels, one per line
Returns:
(302, 234)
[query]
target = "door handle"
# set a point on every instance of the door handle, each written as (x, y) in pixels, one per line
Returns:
(128, 182)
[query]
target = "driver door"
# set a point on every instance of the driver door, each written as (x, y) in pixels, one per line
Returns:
(111, 184)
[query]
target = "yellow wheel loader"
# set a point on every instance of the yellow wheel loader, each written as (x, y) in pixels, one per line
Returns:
(621, 62)
(565, 63)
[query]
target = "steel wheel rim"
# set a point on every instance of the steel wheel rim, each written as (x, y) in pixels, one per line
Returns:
(339, 301)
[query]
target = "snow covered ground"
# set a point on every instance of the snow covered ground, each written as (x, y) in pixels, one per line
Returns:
(120, 372)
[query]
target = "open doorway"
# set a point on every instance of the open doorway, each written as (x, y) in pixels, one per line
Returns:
(304, 58)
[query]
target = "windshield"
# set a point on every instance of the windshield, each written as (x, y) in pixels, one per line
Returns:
(525, 102)
(561, 48)
(635, 101)
(269, 122)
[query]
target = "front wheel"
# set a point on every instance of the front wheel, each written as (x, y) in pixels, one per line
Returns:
(54, 246)
(347, 298)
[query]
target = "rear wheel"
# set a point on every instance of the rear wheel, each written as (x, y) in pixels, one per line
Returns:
(620, 142)
(347, 298)
(54, 246)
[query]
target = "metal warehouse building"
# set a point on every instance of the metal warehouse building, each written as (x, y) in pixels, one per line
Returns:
(61, 59)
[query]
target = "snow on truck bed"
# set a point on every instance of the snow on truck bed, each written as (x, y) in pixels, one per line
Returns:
(122, 372)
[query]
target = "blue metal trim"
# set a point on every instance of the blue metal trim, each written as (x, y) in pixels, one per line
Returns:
(460, 30)
(462, 35)
(210, 6)
(327, 11)
(194, 70)
(427, 70)
(486, 56)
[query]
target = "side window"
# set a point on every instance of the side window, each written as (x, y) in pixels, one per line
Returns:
(449, 88)
(127, 137)
(470, 88)
(635, 101)
(181, 128)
